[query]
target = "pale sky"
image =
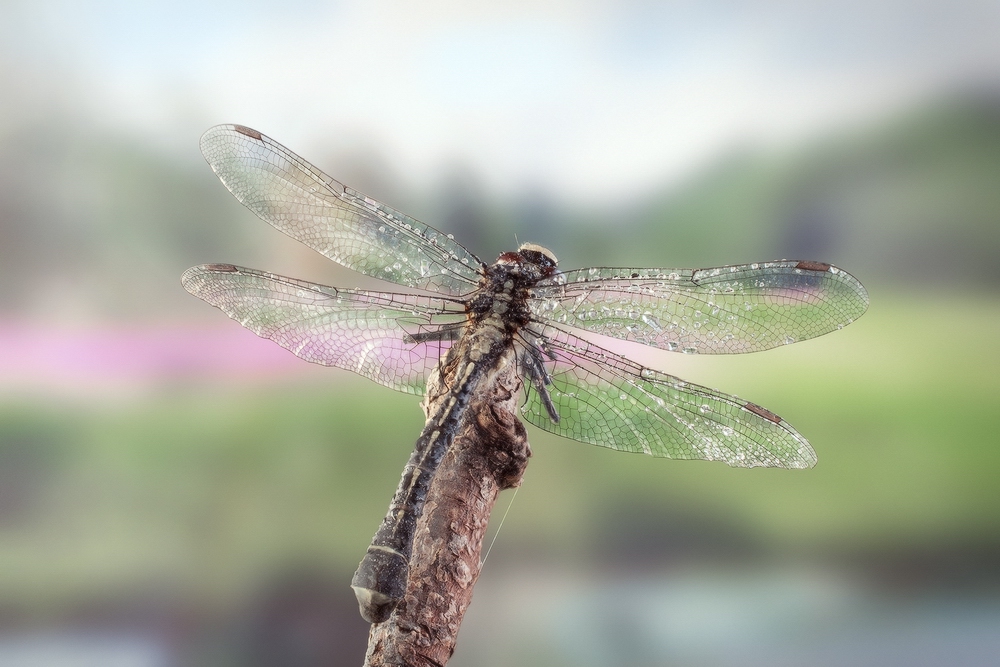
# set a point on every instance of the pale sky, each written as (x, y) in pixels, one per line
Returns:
(588, 101)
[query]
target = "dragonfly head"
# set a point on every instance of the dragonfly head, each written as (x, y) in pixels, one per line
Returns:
(538, 255)
(531, 259)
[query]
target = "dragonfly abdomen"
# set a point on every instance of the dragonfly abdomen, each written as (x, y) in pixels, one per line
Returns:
(380, 580)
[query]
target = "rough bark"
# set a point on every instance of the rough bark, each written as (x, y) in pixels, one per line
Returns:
(489, 454)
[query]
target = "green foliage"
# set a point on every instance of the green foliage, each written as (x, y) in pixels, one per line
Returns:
(914, 198)
(210, 490)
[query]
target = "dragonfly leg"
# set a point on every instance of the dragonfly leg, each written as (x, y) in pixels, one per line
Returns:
(449, 333)
(534, 368)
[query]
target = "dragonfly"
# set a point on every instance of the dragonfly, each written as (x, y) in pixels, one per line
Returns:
(521, 310)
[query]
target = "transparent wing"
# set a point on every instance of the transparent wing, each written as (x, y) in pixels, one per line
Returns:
(605, 399)
(359, 331)
(725, 310)
(342, 224)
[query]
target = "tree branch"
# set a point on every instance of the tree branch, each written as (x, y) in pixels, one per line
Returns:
(489, 454)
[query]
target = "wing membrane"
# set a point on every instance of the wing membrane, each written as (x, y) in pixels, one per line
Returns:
(356, 330)
(605, 399)
(724, 310)
(351, 229)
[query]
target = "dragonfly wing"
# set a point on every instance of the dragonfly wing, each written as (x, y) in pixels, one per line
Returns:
(724, 310)
(606, 399)
(351, 229)
(359, 331)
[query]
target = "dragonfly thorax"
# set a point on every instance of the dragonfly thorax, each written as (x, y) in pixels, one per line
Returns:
(502, 298)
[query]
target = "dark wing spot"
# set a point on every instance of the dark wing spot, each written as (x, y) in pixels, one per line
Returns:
(763, 412)
(812, 266)
(635, 275)
(223, 268)
(243, 129)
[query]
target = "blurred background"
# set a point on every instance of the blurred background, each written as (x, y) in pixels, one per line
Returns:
(175, 491)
